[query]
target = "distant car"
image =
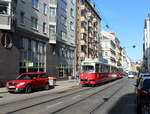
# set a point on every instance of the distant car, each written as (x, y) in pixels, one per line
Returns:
(143, 95)
(27, 82)
(130, 76)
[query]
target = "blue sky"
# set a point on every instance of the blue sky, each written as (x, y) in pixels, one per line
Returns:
(126, 18)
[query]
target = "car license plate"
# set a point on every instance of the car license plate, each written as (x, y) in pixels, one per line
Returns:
(86, 82)
(11, 86)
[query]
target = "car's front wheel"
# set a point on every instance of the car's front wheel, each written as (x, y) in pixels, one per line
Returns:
(28, 89)
(46, 87)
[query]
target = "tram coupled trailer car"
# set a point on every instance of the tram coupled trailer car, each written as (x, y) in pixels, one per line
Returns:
(96, 72)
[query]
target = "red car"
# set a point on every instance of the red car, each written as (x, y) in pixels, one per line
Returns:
(27, 82)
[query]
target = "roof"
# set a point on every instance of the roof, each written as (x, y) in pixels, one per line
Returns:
(94, 10)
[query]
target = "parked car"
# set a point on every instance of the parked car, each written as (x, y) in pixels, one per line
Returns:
(28, 82)
(143, 96)
(1, 83)
(140, 76)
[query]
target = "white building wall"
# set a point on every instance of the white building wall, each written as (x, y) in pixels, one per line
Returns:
(106, 40)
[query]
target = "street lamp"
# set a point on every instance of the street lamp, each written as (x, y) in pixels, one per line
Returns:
(133, 46)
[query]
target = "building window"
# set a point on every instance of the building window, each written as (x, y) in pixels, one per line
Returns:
(63, 5)
(52, 11)
(73, 1)
(72, 12)
(52, 32)
(44, 27)
(35, 4)
(71, 25)
(23, 1)
(34, 23)
(83, 12)
(45, 8)
(3, 8)
(22, 20)
(51, 29)
(106, 53)
(63, 35)
(63, 20)
(82, 2)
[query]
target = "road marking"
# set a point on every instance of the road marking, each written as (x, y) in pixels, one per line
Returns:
(53, 105)
(76, 96)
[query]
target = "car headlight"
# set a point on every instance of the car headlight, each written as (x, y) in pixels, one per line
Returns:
(20, 84)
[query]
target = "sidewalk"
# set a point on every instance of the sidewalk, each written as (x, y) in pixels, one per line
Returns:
(60, 84)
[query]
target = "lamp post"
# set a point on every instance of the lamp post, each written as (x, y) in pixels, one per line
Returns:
(133, 46)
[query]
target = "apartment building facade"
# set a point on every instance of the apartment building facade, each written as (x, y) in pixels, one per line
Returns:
(37, 36)
(23, 36)
(109, 47)
(87, 36)
(63, 52)
(146, 44)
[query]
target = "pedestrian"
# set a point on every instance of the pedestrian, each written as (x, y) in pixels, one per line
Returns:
(78, 77)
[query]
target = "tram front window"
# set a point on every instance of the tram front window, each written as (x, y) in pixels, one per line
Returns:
(88, 69)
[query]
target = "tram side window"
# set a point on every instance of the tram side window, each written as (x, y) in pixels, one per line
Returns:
(100, 68)
(108, 68)
(113, 69)
(97, 68)
(88, 69)
(104, 68)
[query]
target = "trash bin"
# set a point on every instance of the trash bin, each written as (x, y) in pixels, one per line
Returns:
(52, 81)
(70, 77)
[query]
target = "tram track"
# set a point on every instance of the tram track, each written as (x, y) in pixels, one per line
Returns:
(43, 99)
(101, 104)
(56, 98)
(91, 112)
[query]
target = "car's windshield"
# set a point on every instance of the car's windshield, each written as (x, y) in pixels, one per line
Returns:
(25, 77)
(88, 69)
(146, 75)
(146, 84)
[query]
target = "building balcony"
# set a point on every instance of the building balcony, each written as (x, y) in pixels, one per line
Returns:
(52, 19)
(5, 14)
(52, 39)
(90, 24)
(90, 46)
(94, 19)
(83, 30)
(5, 22)
(82, 54)
(82, 7)
(53, 3)
(84, 36)
(83, 19)
(82, 42)
(89, 13)
(95, 29)
(90, 35)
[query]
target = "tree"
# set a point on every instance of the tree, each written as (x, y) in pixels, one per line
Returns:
(138, 69)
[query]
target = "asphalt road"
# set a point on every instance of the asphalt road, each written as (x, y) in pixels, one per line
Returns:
(117, 97)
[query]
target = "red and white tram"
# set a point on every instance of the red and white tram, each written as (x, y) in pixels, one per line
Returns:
(95, 72)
